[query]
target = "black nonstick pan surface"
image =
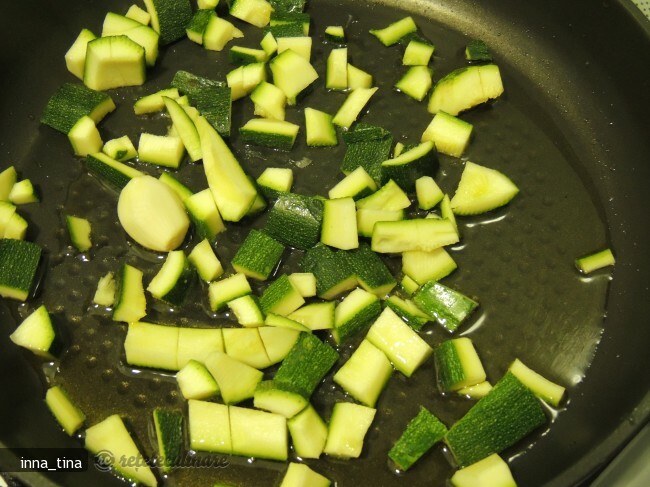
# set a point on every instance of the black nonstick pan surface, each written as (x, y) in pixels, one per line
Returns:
(571, 130)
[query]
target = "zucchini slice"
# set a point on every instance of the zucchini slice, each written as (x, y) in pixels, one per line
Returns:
(66, 412)
(492, 471)
(19, 260)
(421, 433)
(196, 382)
(168, 424)
(450, 134)
(71, 102)
(597, 260)
(306, 365)
(355, 314)
(508, 413)
(110, 438)
(464, 88)
(258, 256)
(237, 381)
(339, 226)
(169, 18)
(365, 374)
(308, 433)
(481, 189)
(444, 304)
(114, 62)
(392, 33)
(543, 388)
(351, 108)
(37, 334)
(227, 289)
(347, 429)
(299, 474)
(401, 344)
(233, 191)
(457, 365)
(174, 279)
(79, 230)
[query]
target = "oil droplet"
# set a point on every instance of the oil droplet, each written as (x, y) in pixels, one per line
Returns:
(140, 400)
(123, 387)
(108, 374)
(91, 361)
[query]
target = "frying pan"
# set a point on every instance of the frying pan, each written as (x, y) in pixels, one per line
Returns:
(571, 130)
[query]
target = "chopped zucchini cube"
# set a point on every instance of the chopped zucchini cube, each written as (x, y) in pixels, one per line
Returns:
(19, 262)
(408, 311)
(152, 345)
(371, 271)
(421, 433)
(300, 475)
(37, 334)
(308, 433)
(277, 134)
(542, 387)
(110, 437)
(424, 266)
(205, 261)
(227, 289)
(450, 134)
(508, 413)
(196, 382)
(237, 381)
(258, 434)
(306, 365)
(174, 279)
(339, 226)
(66, 412)
(392, 33)
(416, 234)
(295, 220)
(168, 424)
(209, 426)
(281, 297)
(457, 365)
(333, 271)
(258, 256)
(347, 429)
(315, 316)
(246, 345)
(365, 374)
(403, 346)
(276, 398)
(114, 62)
(492, 471)
(447, 306)
(354, 314)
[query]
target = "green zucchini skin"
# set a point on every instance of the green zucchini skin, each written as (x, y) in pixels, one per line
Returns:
(258, 256)
(419, 436)
(281, 297)
(445, 305)
(19, 262)
(367, 146)
(168, 424)
(333, 270)
(211, 98)
(295, 220)
(371, 271)
(306, 365)
(169, 18)
(508, 413)
(71, 102)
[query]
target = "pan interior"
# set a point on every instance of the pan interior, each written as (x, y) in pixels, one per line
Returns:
(517, 261)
